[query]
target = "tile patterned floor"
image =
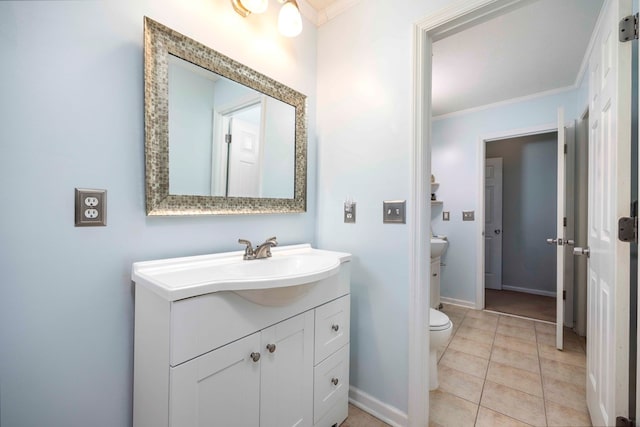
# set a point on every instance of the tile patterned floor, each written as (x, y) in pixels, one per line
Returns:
(500, 370)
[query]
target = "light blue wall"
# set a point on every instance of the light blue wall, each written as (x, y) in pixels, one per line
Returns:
(529, 202)
(365, 152)
(71, 85)
(455, 164)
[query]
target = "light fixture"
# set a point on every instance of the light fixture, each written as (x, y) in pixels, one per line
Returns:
(289, 18)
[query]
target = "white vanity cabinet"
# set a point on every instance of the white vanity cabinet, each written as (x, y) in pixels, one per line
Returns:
(223, 359)
(264, 379)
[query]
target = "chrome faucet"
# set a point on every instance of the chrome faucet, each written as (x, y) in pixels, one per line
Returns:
(262, 251)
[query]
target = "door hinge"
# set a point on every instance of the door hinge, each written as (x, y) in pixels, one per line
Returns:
(566, 148)
(564, 295)
(628, 225)
(227, 138)
(564, 221)
(628, 28)
(624, 422)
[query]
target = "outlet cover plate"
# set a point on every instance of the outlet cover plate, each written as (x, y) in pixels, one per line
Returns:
(394, 212)
(90, 207)
(445, 216)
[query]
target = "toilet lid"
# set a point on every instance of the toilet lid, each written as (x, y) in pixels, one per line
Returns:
(438, 320)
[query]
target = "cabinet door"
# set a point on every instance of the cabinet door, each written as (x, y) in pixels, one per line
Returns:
(220, 388)
(287, 373)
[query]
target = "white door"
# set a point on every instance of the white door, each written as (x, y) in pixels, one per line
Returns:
(220, 388)
(244, 159)
(609, 189)
(493, 223)
(287, 373)
(561, 214)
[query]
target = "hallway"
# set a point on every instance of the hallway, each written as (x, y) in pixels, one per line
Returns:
(499, 370)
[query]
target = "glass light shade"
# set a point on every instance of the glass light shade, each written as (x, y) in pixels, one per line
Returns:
(255, 6)
(289, 20)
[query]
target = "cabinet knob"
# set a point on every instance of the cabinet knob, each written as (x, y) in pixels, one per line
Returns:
(335, 327)
(255, 356)
(334, 381)
(271, 348)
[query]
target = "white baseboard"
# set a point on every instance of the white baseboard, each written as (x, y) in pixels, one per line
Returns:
(387, 413)
(461, 303)
(529, 291)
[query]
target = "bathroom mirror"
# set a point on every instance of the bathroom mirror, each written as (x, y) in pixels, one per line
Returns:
(220, 138)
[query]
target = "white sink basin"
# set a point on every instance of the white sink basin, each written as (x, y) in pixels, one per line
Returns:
(438, 246)
(271, 281)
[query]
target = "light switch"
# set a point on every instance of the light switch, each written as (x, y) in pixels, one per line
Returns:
(468, 216)
(394, 212)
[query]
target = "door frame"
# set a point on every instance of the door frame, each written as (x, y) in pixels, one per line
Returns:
(481, 147)
(434, 25)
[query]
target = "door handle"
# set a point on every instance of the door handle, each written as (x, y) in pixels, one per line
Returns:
(552, 241)
(582, 251)
(497, 231)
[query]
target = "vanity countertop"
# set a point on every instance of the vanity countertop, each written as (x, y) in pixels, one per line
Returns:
(178, 278)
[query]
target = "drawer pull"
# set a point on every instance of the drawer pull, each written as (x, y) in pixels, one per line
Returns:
(334, 381)
(335, 327)
(271, 348)
(255, 356)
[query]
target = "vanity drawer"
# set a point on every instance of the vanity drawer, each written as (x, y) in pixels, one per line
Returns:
(332, 327)
(330, 383)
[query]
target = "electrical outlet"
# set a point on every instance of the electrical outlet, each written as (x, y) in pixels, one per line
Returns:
(445, 216)
(91, 207)
(394, 211)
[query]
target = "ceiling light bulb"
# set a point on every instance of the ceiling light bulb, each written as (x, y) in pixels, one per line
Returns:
(289, 19)
(255, 6)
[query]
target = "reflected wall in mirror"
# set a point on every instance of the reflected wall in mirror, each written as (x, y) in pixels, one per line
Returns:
(220, 138)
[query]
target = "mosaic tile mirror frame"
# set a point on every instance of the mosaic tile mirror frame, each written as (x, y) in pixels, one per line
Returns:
(160, 45)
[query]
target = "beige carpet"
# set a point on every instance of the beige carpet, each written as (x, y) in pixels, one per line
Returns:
(522, 304)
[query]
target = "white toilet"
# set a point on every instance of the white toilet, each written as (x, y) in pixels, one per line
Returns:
(440, 328)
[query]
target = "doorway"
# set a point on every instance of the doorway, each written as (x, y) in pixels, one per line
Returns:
(520, 210)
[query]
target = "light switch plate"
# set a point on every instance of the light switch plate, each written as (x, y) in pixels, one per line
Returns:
(350, 212)
(445, 216)
(91, 207)
(468, 216)
(394, 212)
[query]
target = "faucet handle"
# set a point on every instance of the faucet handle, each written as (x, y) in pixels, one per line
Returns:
(248, 250)
(272, 240)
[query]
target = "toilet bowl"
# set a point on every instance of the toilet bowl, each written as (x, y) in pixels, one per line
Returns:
(440, 328)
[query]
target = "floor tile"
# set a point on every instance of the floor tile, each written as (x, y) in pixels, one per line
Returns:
(447, 410)
(564, 356)
(464, 362)
(571, 395)
(515, 343)
(547, 328)
(488, 325)
(359, 418)
(471, 347)
(517, 359)
(519, 379)
(489, 418)
(450, 308)
(560, 416)
(516, 321)
(561, 371)
(524, 334)
(466, 386)
(475, 334)
(479, 314)
(513, 403)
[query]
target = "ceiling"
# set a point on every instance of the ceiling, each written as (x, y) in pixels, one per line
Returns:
(536, 48)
